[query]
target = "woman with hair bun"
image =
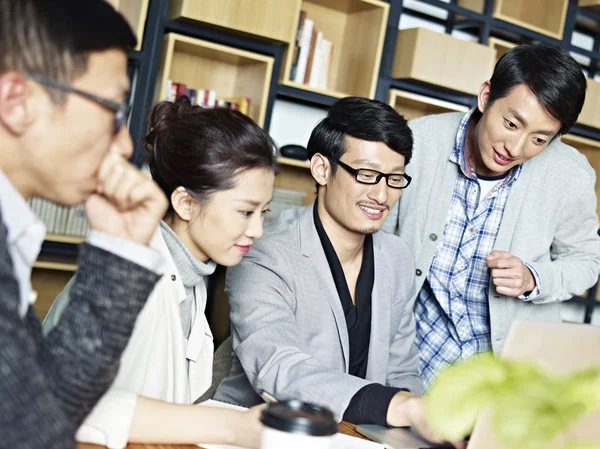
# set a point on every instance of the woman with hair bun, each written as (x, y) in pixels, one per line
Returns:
(217, 168)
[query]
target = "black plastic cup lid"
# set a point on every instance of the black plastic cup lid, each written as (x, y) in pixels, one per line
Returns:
(299, 417)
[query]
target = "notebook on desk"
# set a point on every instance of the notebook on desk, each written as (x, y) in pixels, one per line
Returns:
(551, 345)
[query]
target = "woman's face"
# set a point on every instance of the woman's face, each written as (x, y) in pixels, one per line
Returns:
(223, 228)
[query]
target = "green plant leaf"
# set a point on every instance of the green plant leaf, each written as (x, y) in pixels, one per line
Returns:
(582, 446)
(460, 393)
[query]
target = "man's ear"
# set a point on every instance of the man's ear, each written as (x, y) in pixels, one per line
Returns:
(320, 168)
(484, 96)
(183, 203)
(14, 114)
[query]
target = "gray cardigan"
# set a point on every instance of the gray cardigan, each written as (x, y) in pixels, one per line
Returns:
(49, 384)
(549, 222)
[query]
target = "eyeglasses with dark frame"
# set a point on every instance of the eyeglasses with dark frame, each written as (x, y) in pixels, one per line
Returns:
(368, 176)
(121, 110)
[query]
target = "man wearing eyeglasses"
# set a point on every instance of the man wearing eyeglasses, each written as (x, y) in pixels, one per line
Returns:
(321, 307)
(63, 110)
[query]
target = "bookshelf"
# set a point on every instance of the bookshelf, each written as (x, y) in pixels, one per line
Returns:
(460, 65)
(229, 71)
(412, 105)
(500, 45)
(592, 4)
(541, 16)
(48, 283)
(293, 162)
(270, 19)
(60, 238)
(297, 177)
(356, 28)
(135, 11)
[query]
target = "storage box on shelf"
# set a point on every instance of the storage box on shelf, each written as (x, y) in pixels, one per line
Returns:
(228, 71)
(135, 11)
(412, 105)
(459, 65)
(542, 16)
(355, 29)
(270, 19)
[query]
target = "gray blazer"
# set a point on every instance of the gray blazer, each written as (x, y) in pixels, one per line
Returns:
(549, 222)
(289, 329)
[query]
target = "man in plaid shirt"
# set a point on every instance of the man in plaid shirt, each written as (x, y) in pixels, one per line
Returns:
(501, 215)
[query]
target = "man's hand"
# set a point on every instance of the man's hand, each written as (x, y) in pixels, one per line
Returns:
(408, 410)
(127, 204)
(509, 274)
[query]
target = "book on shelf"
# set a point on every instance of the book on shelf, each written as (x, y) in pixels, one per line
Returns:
(313, 55)
(296, 53)
(206, 98)
(61, 220)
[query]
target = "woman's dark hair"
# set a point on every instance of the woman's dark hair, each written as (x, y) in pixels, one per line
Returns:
(363, 119)
(203, 149)
(553, 76)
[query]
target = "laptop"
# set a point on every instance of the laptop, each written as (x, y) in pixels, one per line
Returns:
(559, 348)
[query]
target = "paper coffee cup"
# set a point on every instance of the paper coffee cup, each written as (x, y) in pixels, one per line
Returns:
(297, 425)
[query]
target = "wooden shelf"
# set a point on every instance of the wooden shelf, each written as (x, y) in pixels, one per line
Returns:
(47, 284)
(57, 262)
(542, 16)
(297, 177)
(228, 71)
(591, 149)
(413, 106)
(64, 238)
(442, 60)
(590, 114)
(591, 4)
(500, 45)
(293, 162)
(357, 30)
(271, 19)
(135, 11)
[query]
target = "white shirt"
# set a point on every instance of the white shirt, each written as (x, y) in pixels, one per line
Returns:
(158, 363)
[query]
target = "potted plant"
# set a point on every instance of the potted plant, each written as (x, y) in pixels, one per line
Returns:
(529, 407)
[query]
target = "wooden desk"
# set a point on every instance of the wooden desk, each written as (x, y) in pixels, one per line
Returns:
(347, 428)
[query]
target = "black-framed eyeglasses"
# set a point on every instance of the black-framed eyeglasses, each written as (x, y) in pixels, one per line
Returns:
(368, 176)
(121, 110)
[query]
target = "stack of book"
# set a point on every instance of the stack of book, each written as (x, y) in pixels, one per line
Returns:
(312, 55)
(206, 98)
(61, 219)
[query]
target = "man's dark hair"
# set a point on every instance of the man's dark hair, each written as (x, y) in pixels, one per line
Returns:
(54, 38)
(363, 119)
(553, 76)
(203, 149)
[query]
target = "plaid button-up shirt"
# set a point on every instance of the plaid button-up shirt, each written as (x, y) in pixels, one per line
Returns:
(452, 307)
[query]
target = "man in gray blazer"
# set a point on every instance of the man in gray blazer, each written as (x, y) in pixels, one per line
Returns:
(501, 217)
(321, 308)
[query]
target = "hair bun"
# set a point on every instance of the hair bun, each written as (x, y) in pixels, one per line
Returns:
(164, 115)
